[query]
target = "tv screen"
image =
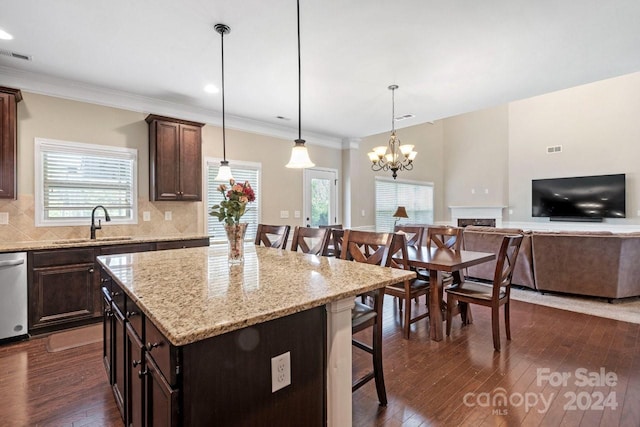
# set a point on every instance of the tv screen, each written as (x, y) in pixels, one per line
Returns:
(593, 197)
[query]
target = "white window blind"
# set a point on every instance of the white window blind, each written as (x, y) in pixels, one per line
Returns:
(73, 178)
(416, 197)
(241, 172)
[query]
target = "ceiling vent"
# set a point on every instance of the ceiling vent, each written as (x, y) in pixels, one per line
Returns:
(15, 55)
(554, 149)
(406, 116)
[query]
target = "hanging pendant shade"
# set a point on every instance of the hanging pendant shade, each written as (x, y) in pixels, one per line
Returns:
(299, 154)
(224, 172)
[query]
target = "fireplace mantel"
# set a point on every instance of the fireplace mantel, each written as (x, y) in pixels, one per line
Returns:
(476, 212)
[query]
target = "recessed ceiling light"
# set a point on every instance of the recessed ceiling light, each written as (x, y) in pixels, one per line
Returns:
(4, 35)
(211, 88)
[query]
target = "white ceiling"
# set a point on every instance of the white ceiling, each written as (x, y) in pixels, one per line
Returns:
(448, 57)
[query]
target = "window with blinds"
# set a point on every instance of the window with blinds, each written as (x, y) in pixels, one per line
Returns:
(72, 178)
(241, 172)
(416, 197)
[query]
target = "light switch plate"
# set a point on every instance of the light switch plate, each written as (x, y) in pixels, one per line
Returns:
(284, 214)
(4, 218)
(296, 214)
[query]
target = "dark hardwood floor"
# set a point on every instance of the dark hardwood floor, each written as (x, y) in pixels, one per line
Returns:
(427, 383)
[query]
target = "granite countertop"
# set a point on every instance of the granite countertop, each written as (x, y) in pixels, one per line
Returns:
(6, 247)
(193, 294)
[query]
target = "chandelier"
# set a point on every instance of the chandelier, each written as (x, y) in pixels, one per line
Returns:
(394, 156)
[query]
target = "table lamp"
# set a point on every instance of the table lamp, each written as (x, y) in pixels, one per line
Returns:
(401, 212)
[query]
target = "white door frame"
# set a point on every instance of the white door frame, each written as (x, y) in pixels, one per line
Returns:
(306, 206)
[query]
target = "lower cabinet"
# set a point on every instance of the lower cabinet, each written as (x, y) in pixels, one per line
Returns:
(142, 393)
(63, 288)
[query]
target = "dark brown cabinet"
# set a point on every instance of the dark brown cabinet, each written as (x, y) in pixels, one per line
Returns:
(63, 287)
(8, 141)
(175, 159)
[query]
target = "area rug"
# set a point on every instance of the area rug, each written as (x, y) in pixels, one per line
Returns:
(627, 310)
(73, 338)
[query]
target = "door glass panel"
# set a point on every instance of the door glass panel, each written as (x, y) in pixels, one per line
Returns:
(320, 196)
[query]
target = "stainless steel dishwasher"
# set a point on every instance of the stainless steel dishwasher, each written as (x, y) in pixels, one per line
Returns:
(13, 295)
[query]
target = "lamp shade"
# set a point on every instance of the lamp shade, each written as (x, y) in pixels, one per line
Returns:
(401, 212)
(224, 172)
(300, 157)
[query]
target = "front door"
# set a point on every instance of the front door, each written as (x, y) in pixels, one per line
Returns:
(320, 197)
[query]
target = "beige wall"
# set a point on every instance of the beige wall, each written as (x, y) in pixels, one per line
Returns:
(428, 141)
(476, 147)
(66, 120)
(596, 124)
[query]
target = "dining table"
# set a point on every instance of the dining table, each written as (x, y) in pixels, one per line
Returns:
(439, 261)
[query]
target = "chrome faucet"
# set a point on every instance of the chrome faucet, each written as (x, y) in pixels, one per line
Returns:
(95, 227)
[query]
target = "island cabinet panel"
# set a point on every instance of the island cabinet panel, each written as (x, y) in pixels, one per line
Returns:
(135, 379)
(175, 150)
(227, 379)
(63, 288)
(119, 360)
(161, 400)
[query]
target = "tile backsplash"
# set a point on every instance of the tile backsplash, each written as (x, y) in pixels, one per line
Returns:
(186, 219)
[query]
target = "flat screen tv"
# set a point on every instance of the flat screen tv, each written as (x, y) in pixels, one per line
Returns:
(586, 198)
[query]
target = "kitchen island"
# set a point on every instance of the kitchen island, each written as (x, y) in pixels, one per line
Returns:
(189, 340)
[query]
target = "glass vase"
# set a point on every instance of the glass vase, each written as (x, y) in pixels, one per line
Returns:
(235, 235)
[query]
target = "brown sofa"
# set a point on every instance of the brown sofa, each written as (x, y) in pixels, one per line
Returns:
(600, 264)
(489, 239)
(596, 263)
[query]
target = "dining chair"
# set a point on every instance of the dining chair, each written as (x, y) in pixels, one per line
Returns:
(406, 290)
(371, 248)
(491, 295)
(331, 248)
(310, 240)
(413, 233)
(272, 236)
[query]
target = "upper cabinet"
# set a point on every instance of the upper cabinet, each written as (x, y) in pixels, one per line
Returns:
(175, 159)
(8, 141)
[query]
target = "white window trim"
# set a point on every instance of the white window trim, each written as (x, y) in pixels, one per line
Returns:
(215, 162)
(78, 147)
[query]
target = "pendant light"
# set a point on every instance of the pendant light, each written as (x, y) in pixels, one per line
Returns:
(299, 154)
(394, 156)
(224, 172)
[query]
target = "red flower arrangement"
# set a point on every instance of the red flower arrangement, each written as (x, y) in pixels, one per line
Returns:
(234, 205)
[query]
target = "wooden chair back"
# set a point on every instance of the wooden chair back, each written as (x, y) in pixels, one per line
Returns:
(413, 233)
(272, 236)
(445, 237)
(505, 265)
(310, 240)
(367, 246)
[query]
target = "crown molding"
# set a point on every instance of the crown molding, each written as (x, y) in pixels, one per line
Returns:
(41, 84)
(351, 143)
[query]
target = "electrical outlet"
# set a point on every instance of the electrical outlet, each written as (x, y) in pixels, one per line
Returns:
(486, 191)
(4, 218)
(510, 211)
(146, 216)
(362, 213)
(167, 216)
(280, 371)
(473, 191)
